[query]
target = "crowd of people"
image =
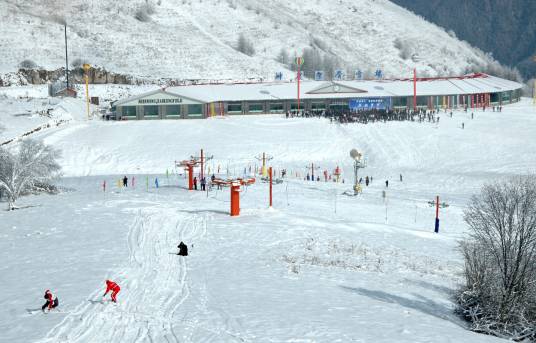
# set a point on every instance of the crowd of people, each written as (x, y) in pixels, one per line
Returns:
(370, 115)
(365, 116)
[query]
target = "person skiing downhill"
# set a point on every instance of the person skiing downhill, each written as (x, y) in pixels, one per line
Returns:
(52, 301)
(183, 249)
(112, 286)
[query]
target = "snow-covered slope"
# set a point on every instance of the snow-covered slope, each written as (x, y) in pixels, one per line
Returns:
(196, 39)
(318, 267)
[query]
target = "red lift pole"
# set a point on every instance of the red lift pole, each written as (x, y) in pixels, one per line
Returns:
(299, 62)
(270, 172)
(202, 164)
(415, 89)
(299, 77)
(235, 198)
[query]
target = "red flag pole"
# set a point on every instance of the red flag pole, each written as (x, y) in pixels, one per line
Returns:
(270, 171)
(437, 215)
(299, 77)
(201, 164)
(414, 88)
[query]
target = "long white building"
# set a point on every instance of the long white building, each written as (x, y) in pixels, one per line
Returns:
(202, 101)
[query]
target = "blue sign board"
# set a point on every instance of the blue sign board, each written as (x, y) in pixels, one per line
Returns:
(370, 104)
(319, 75)
(358, 75)
(339, 74)
(279, 76)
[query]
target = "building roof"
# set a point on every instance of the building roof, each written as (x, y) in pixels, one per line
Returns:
(468, 84)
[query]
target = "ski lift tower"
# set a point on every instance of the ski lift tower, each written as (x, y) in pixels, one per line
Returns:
(359, 162)
(234, 184)
(264, 157)
(189, 166)
(202, 160)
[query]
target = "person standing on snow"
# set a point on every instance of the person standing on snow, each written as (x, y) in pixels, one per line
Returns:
(386, 183)
(125, 181)
(52, 301)
(112, 286)
(195, 183)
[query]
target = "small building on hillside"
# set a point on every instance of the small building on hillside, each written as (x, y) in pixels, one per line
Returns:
(206, 100)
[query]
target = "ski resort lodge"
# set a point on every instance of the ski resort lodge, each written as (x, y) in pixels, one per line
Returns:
(206, 100)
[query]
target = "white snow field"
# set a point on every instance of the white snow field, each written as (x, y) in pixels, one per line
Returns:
(317, 267)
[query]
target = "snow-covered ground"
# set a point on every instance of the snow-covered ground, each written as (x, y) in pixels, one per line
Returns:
(318, 267)
(194, 39)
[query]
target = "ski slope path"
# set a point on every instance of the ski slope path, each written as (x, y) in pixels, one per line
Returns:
(154, 284)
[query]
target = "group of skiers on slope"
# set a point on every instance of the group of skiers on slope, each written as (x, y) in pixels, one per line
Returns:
(369, 181)
(52, 300)
(203, 182)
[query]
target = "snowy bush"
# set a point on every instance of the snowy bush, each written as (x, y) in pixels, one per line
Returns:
(78, 63)
(498, 296)
(314, 60)
(144, 12)
(27, 64)
(283, 57)
(360, 257)
(245, 46)
(320, 44)
(404, 47)
(31, 167)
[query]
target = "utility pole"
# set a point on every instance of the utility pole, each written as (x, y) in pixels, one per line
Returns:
(66, 56)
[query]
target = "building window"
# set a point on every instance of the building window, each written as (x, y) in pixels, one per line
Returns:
(294, 106)
(399, 102)
(129, 111)
(318, 106)
(195, 110)
(173, 110)
(150, 111)
(256, 108)
(234, 108)
(339, 106)
(277, 108)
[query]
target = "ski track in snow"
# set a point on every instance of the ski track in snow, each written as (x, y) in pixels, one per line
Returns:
(154, 285)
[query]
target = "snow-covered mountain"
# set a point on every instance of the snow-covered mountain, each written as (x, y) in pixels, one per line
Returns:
(197, 39)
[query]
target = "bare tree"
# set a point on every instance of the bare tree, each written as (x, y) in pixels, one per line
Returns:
(32, 164)
(500, 260)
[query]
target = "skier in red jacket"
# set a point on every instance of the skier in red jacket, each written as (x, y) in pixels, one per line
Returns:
(112, 286)
(52, 301)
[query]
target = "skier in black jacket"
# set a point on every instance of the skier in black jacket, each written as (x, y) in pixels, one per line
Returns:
(183, 249)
